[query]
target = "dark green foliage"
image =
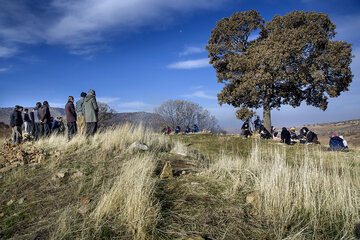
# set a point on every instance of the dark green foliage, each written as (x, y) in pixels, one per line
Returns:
(293, 60)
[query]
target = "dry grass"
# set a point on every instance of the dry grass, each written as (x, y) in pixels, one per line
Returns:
(312, 195)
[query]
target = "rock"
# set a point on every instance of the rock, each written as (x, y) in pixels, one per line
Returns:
(40, 158)
(167, 171)
(190, 176)
(196, 238)
(85, 201)
(84, 209)
(21, 200)
(251, 198)
(76, 174)
(9, 202)
(139, 146)
(8, 168)
(64, 173)
(34, 165)
(2, 214)
(195, 183)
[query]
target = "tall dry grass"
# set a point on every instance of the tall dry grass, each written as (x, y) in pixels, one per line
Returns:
(308, 194)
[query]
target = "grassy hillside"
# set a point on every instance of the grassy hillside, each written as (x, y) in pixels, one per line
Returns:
(224, 187)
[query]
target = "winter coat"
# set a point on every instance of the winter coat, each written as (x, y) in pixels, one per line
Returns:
(16, 119)
(44, 114)
(80, 107)
(285, 136)
(311, 137)
(245, 126)
(91, 108)
(26, 117)
(336, 144)
(70, 112)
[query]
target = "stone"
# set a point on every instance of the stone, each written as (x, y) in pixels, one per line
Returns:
(34, 165)
(251, 198)
(2, 214)
(40, 158)
(9, 202)
(196, 238)
(85, 201)
(77, 174)
(21, 200)
(8, 168)
(84, 209)
(64, 173)
(195, 183)
(190, 175)
(167, 173)
(139, 145)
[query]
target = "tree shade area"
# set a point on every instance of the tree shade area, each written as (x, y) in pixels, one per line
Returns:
(294, 59)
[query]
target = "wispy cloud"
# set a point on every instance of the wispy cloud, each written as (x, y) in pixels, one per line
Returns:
(4, 69)
(191, 50)
(200, 94)
(107, 100)
(190, 64)
(132, 105)
(57, 105)
(6, 52)
(81, 25)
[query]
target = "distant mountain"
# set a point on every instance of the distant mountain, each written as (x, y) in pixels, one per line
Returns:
(6, 112)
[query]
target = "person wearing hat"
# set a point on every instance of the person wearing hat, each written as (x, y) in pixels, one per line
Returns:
(71, 117)
(80, 119)
(336, 143)
(91, 113)
(16, 122)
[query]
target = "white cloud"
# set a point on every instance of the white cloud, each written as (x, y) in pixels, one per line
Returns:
(200, 94)
(132, 105)
(190, 64)
(6, 52)
(191, 50)
(4, 69)
(107, 100)
(57, 105)
(83, 23)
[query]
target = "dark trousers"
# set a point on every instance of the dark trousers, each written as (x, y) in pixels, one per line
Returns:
(37, 131)
(45, 130)
(72, 129)
(91, 128)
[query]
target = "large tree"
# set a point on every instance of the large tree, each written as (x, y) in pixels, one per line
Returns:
(287, 60)
(185, 113)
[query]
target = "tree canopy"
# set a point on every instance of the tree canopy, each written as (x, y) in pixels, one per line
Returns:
(185, 113)
(287, 60)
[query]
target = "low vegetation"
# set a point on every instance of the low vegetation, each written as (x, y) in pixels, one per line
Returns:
(224, 187)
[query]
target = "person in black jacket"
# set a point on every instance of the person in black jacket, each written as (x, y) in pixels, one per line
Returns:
(285, 136)
(246, 129)
(264, 133)
(44, 119)
(37, 128)
(16, 122)
(71, 117)
(27, 122)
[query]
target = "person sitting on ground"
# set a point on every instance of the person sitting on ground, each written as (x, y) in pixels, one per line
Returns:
(177, 129)
(61, 124)
(168, 130)
(264, 133)
(302, 136)
(274, 133)
(285, 136)
(163, 131)
(257, 123)
(187, 130)
(293, 134)
(246, 129)
(311, 137)
(54, 125)
(346, 146)
(336, 143)
(196, 128)
(16, 122)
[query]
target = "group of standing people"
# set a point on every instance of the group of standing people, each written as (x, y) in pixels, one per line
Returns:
(83, 119)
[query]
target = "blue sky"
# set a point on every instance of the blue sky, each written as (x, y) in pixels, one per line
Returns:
(137, 54)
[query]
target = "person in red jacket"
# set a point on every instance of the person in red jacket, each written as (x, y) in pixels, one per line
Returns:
(71, 117)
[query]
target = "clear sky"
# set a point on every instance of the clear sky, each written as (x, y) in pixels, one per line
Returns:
(137, 54)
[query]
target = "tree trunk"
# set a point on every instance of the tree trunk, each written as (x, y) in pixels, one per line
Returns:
(267, 118)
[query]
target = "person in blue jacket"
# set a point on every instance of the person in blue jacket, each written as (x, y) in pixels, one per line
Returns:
(336, 143)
